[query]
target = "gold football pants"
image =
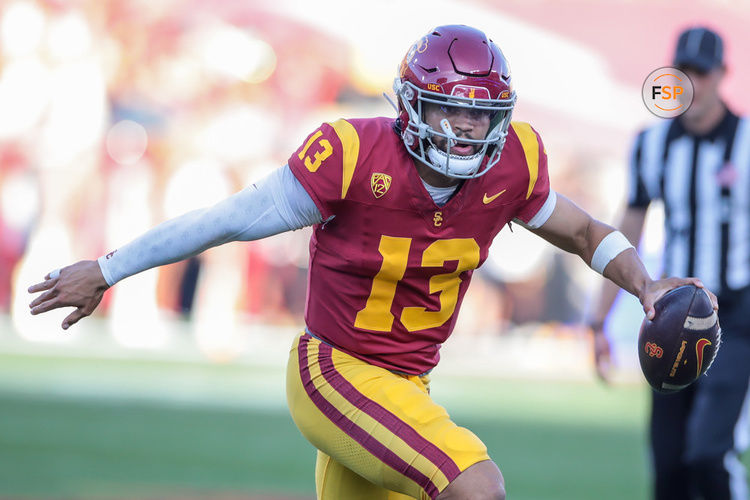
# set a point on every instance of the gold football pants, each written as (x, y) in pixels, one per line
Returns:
(379, 434)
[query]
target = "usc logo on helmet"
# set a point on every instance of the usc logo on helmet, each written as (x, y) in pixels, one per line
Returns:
(653, 350)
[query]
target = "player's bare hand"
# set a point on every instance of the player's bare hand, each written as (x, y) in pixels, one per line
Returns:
(656, 290)
(80, 285)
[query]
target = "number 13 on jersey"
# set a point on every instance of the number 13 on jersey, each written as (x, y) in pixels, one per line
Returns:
(377, 315)
(319, 156)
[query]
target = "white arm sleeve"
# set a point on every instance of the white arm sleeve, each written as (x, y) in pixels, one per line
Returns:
(273, 205)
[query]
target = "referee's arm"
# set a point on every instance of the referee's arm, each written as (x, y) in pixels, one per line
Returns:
(631, 225)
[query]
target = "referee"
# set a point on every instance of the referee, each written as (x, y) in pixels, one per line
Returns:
(699, 165)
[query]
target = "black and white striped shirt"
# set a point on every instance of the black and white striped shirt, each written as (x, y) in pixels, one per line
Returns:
(704, 182)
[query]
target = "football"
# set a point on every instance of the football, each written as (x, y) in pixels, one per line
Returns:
(681, 342)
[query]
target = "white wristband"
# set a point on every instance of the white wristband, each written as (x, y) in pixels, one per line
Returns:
(610, 247)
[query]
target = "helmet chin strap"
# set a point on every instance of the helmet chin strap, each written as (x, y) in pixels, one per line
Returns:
(448, 164)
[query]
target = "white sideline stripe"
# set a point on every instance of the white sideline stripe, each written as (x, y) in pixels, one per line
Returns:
(695, 323)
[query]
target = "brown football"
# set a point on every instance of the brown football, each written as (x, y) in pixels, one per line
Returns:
(681, 342)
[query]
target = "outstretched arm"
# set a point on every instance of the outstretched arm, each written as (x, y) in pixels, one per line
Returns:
(276, 204)
(575, 231)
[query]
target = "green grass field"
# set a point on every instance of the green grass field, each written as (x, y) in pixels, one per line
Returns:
(117, 428)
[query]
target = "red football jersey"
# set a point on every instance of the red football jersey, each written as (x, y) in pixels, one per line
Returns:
(389, 270)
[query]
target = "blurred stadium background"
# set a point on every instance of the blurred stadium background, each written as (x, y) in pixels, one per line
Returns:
(118, 114)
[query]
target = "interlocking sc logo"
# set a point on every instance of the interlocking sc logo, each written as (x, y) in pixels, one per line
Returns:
(653, 350)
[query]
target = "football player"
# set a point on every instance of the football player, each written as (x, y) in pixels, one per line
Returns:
(404, 210)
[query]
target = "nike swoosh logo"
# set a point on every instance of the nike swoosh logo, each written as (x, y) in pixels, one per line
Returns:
(699, 347)
(489, 199)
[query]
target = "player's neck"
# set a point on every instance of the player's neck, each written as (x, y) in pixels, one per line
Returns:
(434, 178)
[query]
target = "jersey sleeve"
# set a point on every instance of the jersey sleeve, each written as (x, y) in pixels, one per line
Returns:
(325, 162)
(638, 195)
(538, 189)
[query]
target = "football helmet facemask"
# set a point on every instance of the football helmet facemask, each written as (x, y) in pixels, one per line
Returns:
(460, 70)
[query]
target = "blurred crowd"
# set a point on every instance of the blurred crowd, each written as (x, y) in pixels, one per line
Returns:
(117, 115)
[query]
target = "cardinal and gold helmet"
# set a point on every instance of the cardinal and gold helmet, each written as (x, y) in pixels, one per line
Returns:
(458, 68)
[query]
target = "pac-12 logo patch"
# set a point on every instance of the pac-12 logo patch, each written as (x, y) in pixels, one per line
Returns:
(380, 184)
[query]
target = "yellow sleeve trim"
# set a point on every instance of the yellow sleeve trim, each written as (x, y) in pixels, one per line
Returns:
(530, 144)
(350, 142)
